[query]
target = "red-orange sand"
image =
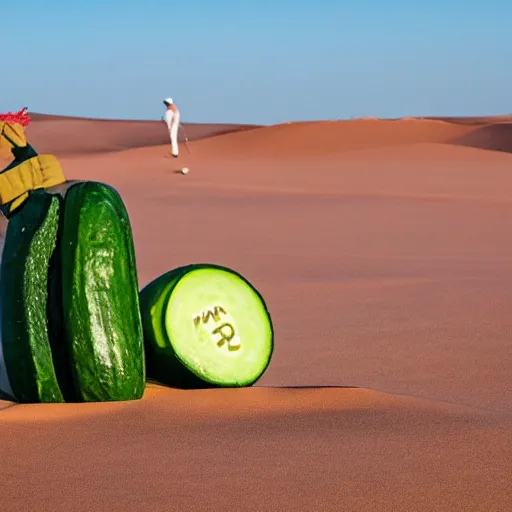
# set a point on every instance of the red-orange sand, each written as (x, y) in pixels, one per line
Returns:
(384, 252)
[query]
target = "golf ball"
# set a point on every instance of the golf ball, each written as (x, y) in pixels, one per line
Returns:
(184, 170)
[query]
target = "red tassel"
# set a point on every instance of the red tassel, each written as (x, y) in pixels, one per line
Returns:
(20, 117)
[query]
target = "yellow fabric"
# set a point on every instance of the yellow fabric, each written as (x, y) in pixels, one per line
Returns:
(13, 131)
(41, 171)
(18, 202)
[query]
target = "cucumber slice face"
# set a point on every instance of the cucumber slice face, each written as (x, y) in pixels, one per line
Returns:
(206, 326)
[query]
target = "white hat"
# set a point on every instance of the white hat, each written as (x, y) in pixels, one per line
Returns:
(168, 101)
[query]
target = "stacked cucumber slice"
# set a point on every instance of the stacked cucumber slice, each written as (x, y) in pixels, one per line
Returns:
(70, 325)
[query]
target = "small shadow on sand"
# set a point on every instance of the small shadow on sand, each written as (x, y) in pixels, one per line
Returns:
(196, 385)
(494, 137)
(307, 387)
(205, 386)
(8, 406)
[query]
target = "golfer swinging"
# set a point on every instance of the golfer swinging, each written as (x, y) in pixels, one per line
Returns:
(172, 119)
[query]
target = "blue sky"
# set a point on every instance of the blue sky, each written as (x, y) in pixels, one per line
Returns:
(257, 61)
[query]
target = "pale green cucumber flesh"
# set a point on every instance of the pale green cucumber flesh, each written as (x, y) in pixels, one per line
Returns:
(215, 323)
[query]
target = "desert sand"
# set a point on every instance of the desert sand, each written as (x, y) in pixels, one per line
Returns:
(383, 250)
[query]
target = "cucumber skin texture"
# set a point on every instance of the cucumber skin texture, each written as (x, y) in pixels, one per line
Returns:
(101, 314)
(164, 365)
(30, 320)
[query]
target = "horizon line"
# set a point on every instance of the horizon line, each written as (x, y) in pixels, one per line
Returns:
(34, 115)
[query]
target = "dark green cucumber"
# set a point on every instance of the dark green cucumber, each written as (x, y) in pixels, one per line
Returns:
(205, 326)
(100, 300)
(31, 342)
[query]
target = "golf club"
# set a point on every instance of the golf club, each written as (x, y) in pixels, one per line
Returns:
(186, 138)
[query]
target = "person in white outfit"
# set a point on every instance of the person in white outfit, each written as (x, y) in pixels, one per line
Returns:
(172, 119)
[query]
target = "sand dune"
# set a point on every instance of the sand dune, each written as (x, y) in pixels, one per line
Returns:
(496, 137)
(259, 449)
(383, 252)
(327, 138)
(63, 135)
(475, 120)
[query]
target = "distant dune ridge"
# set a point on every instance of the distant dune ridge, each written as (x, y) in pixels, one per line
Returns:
(65, 135)
(383, 250)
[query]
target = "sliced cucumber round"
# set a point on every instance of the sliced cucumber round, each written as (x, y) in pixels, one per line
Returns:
(205, 326)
